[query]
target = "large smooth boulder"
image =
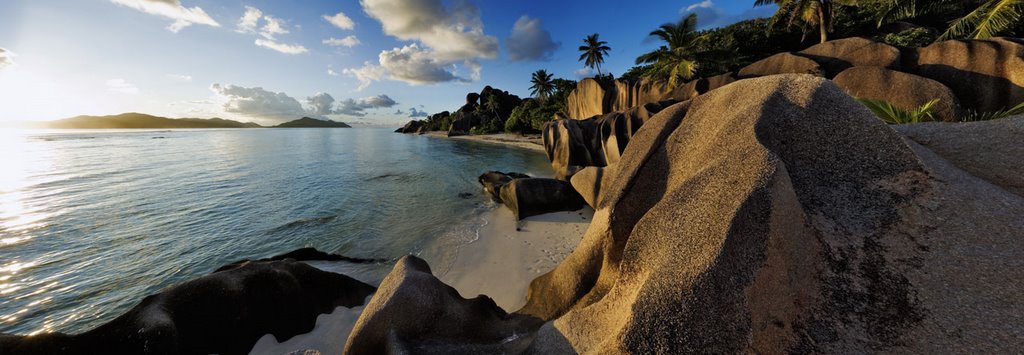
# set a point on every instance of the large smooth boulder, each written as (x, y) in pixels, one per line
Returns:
(222, 313)
(415, 313)
(782, 216)
(991, 150)
(701, 86)
(635, 94)
(838, 55)
(986, 75)
(567, 144)
(411, 127)
(906, 91)
(531, 197)
(587, 182)
(782, 63)
(588, 99)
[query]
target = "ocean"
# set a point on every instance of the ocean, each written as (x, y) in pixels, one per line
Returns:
(93, 221)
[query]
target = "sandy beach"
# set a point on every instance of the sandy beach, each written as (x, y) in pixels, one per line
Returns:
(531, 141)
(500, 264)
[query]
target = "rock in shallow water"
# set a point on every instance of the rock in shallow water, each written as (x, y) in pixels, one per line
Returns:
(531, 197)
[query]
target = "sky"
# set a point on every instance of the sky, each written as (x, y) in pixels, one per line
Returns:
(365, 62)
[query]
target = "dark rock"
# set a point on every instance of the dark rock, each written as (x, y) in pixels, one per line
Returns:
(906, 91)
(411, 127)
(414, 312)
(492, 181)
(225, 312)
(531, 197)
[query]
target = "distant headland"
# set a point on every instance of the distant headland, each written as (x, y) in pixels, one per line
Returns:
(133, 120)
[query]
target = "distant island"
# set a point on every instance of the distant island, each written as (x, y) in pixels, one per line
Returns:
(309, 122)
(133, 120)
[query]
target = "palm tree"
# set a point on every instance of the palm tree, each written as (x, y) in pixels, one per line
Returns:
(988, 20)
(810, 12)
(493, 104)
(593, 52)
(542, 86)
(677, 59)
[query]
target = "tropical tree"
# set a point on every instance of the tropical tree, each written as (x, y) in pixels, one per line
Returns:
(820, 13)
(592, 52)
(542, 86)
(988, 20)
(685, 52)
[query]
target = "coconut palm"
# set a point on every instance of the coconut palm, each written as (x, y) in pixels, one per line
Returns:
(820, 13)
(988, 20)
(542, 85)
(593, 51)
(675, 61)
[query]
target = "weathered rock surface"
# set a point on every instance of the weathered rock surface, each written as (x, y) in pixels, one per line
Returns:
(906, 91)
(587, 182)
(634, 94)
(588, 99)
(531, 197)
(701, 86)
(414, 312)
(990, 150)
(986, 75)
(225, 312)
(838, 55)
(492, 181)
(781, 216)
(782, 63)
(411, 127)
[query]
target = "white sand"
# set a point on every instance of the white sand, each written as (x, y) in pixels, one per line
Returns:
(500, 264)
(531, 142)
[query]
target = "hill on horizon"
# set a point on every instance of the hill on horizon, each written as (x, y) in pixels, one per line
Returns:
(309, 122)
(132, 120)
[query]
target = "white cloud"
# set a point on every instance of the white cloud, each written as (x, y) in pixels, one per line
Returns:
(6, 58)
(180, 77)
(349, 41)
(530, 41)
(358, 107)
(341, 21)
(122, 86)
(281, 47)
(447, 38)
(249, 21)
(331, 72)
(273, 27)
(257, 102)
(172, 9)
(366, 74)
(584, 72)
(321, 104)
(710, 15)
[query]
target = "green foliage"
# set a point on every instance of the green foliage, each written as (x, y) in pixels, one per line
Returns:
(592, 52)
(895, 115)
(972, 115)
(735, 46)
(676, 61)
(914, 37)
(992, 18)
(542, 86)
(635, 73)
(807, 13)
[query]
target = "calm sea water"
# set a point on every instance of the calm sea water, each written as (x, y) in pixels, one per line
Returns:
(91, 222)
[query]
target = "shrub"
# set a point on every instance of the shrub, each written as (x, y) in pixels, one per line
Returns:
(914, 37)
(895, 115)
(972, 115)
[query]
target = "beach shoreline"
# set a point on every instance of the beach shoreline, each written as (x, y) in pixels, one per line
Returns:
(532, 142)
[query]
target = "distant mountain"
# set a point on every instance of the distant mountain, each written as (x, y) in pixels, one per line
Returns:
(141, 120)
(307, 122)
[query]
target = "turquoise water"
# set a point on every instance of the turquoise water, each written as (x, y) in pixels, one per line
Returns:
(91, 222)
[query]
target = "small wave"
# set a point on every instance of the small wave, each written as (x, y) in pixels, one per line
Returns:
(304, 223)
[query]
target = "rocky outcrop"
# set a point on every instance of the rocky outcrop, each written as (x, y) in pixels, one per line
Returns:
(414, 312)
(701, 86)
(531, 197)
(781, 216)
(587, 182)
(492, 181)
(990, 150)
(225, 312)
(838, 55)
(465, 117)
(906, 91)
(986, 75)
(636, 94)
(588, 99)
(411, 127)
(782, 63)
(573, 144)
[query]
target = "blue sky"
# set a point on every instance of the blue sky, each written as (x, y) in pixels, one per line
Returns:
(276, 60)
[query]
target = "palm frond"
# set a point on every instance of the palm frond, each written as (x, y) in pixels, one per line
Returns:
(895, 115)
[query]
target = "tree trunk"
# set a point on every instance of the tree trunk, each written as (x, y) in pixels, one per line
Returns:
(823, 23)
